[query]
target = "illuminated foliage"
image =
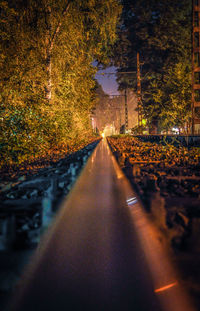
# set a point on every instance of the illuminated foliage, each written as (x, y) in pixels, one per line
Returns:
(46, 75)
(173, 97)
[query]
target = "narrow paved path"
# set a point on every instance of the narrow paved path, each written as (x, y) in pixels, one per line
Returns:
(101, 253)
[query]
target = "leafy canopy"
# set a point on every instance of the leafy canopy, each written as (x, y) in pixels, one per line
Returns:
(74, 33)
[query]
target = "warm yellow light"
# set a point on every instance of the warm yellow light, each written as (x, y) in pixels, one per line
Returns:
(144, 122)
(103, 135)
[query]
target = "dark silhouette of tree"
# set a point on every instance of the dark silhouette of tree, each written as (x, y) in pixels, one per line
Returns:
(161, 32)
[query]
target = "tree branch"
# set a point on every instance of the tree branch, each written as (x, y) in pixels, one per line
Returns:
(58, 27)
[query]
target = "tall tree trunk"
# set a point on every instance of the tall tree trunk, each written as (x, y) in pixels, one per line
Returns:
(50, 39)
(48, 68)
(48, 52)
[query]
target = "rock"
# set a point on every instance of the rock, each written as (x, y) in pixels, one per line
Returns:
(136, 170)
(182, 219)
(158, 210)
(61, 184)
(179, 228)
(22, 178)
(151, 184)
(10, 196)
(194, 241)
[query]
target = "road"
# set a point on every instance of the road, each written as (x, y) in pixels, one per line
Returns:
(101, 253)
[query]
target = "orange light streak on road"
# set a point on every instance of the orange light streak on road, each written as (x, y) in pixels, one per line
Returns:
(162, 289)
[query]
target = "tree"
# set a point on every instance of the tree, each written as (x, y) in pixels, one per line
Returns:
(174, 97)
(46, 73)
(160, 32)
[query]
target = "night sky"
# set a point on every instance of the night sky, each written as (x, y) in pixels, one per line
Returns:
(108, 82)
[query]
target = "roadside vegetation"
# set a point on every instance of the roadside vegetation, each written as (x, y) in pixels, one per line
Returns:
(47, 85)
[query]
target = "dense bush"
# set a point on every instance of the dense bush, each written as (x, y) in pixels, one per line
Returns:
(46, 75)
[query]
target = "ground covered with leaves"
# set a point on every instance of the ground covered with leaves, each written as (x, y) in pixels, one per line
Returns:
(11, 171)
(167, 180)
